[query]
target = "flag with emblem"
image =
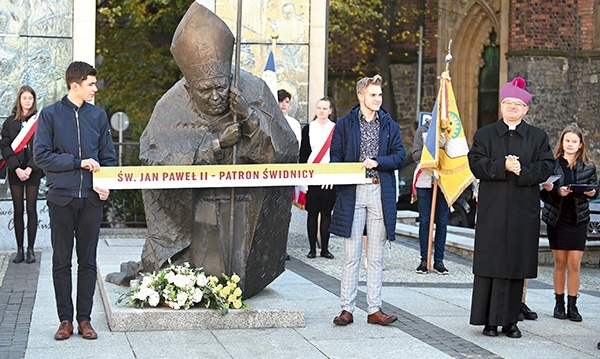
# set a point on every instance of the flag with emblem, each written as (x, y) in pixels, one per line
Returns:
(445, 149)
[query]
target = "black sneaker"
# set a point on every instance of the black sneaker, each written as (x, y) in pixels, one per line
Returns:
(439, 267)
(422, 268)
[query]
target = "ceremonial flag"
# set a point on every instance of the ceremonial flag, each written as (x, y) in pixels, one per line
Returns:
(269, 75)
(445, 148)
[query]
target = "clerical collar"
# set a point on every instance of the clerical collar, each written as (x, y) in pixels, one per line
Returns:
(511, 127)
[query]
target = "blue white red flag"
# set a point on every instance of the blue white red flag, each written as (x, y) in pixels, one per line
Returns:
(269, 75)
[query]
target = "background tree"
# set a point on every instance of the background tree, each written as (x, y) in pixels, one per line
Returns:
(134, 62)
(367, 36)
(135, 65)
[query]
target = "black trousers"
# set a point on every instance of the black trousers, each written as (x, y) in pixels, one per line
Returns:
(74, 221)
(496, 301)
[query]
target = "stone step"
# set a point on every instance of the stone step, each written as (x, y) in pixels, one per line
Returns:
(461, 240)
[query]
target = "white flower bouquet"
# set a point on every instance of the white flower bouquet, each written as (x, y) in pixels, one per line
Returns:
(181, 287)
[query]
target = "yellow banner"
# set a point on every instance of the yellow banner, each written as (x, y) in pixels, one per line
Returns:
(453, 167)
(255, 175)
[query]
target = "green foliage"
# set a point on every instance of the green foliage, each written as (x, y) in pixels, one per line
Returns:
(367, 36)
(135, 68)
(370, 33)
(135, 64)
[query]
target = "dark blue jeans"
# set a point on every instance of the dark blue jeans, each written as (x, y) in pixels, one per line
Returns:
(442, 211)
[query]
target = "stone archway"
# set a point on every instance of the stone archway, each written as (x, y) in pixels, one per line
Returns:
(469, 27)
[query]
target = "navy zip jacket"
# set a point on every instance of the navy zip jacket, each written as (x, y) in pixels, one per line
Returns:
(345, 147)
(64, 136)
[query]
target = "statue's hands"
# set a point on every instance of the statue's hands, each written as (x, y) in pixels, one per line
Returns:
(230, 135)
(238, 103)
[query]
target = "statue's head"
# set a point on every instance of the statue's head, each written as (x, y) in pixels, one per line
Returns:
(203, 47)
(211, 96)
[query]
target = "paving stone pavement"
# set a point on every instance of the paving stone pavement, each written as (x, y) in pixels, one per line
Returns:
(17, 297)
(432, 310)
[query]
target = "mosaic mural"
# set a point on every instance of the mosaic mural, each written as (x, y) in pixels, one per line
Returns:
(289, 21)
(35, 48)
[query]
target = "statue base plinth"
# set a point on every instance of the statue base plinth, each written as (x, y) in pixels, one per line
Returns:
(267, 309)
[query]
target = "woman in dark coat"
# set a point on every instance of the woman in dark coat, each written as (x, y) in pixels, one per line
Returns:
(510, 158)
(314, 148)
(567, 214)
(23, 174)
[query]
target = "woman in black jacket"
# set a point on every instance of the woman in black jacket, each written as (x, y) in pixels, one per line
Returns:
(566, 212)
(314, 148)
(23, 174)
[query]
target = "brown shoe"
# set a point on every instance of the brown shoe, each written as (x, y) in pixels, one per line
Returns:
(64, 330)
(344, 318)
(86, 331)
(381, 318)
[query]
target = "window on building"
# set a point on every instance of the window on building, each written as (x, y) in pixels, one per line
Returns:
(489, 83)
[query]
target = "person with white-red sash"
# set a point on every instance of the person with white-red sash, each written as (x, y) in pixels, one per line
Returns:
(23, 174)
(314, 148)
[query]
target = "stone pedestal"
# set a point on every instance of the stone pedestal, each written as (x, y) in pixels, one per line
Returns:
(267, 309)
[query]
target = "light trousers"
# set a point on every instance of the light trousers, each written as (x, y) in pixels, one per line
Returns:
(368, 211)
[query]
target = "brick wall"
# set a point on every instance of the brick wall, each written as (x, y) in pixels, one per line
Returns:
(565, 91)
(405, 89)
(562, 25)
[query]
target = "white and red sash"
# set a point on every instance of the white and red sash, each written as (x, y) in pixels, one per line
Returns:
(26, 133)
(299, 196)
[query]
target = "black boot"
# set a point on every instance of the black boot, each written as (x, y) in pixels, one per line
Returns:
(30, 255)
(527, 313)
(19, 257)
(572, 312)
(559, 307)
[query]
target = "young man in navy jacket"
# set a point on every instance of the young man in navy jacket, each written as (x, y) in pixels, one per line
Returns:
(73, 141)
(369, 135)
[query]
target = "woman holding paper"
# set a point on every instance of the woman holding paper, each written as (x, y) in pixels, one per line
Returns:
(314, 148)
(23, 175)
(566, 212)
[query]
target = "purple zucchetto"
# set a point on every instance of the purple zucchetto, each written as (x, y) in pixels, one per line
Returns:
(515, 89)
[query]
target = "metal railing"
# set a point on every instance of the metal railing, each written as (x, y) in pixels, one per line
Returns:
(125, 207)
